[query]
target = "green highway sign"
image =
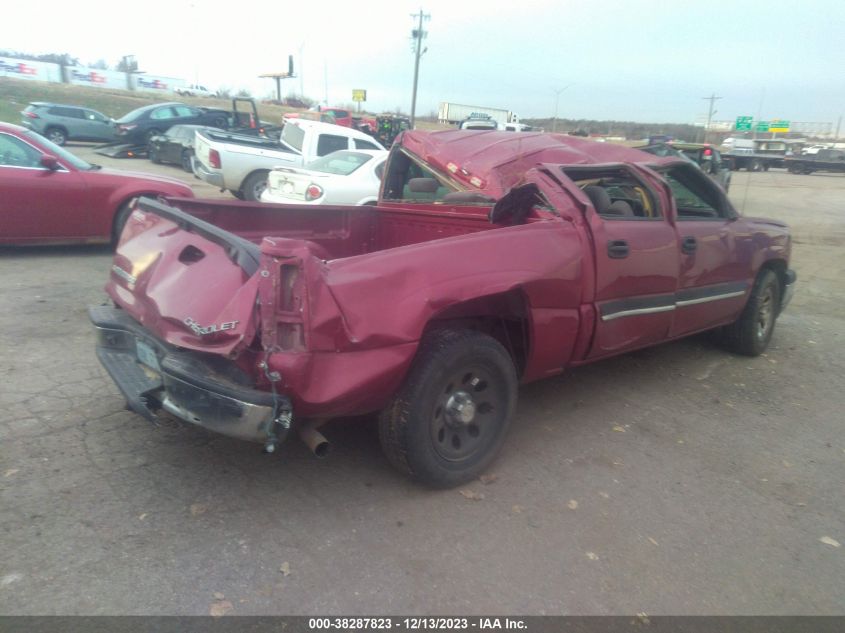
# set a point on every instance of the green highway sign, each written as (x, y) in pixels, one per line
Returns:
(743, 123)
(762, 126)
(779, 126)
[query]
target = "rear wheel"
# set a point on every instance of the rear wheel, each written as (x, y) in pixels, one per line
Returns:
(56, 134)
(148, 136)
(254, 186)
(152, 152)
(751, 332)
(186, 161)
(448, 421)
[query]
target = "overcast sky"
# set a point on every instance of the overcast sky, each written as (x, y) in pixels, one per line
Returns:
(642, 60)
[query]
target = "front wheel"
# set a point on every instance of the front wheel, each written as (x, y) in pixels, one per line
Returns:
(751, 332)
(448, 421)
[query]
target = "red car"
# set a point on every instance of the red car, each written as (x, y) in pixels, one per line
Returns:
(48, 195)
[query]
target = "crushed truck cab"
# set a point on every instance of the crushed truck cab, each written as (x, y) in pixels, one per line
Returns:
(490, 260)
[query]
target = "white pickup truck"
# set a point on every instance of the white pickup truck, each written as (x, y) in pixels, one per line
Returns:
(241, 163)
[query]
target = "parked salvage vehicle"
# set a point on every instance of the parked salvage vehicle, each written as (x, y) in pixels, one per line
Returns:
(195, 90)
(48, 195)
(822, 160)
(140, 125)
(241, 163)
(175, 146)
(62, 123)
(344, 177)
(492, 259)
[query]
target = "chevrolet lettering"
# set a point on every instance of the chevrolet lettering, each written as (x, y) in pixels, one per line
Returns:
(211, 329)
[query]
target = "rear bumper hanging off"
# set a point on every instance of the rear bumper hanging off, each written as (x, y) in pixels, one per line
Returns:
(153, 375)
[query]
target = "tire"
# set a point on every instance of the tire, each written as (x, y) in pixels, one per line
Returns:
(56, 134)
(186, 161)
(750, 334)
(237, 194)
(152, 153)
(148, 137)
(254, 185)
(449, 419)
(221, 123)
(120, 221)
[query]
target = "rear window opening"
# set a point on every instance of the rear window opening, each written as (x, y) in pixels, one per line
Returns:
(615, 192)
(410, 181)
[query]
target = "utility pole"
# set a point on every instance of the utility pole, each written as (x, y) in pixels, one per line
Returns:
(301, 73)
(838, 125)
(557, 99)
(418, 35)
(712, 99)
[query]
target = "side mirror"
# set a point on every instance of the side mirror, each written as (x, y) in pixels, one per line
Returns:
(423, 185)
(50, 162)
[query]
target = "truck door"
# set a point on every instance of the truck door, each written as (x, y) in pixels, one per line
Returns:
(713, 282)
(636, 256)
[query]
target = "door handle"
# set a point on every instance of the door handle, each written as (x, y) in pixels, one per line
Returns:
(688, 244)
(617, 249)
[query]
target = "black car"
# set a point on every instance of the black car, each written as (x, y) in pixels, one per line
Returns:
(175, 146)
(140, 125)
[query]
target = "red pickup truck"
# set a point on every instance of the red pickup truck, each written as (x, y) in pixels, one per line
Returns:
(491, 259)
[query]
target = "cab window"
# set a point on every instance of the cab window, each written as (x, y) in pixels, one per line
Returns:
(696, 197)
(328, 143)
(615, 193)
(427, 186)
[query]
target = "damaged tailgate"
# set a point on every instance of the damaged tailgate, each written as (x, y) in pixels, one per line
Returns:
(188, 282)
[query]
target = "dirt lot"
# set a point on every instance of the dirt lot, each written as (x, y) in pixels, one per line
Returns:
(679, 479)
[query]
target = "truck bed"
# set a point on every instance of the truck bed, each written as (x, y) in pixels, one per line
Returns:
(339, 231)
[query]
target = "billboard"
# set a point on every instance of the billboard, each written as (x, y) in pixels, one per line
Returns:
(25, 69)
(82, 76)
(156, 83)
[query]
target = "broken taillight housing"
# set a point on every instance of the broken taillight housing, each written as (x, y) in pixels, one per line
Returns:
(290, 325)
(214, 158)
(289, 299)
(313, 192)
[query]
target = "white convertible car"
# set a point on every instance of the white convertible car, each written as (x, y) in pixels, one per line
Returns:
(342, 177)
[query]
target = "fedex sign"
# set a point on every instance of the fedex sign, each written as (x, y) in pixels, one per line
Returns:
(96, 78)
(152, 84)
(89, 77)
(26, 69)
(17, 68)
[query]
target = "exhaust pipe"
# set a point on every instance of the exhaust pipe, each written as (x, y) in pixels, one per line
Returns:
(313, 439)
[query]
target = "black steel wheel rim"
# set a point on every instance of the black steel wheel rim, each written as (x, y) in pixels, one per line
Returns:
(468, 414)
